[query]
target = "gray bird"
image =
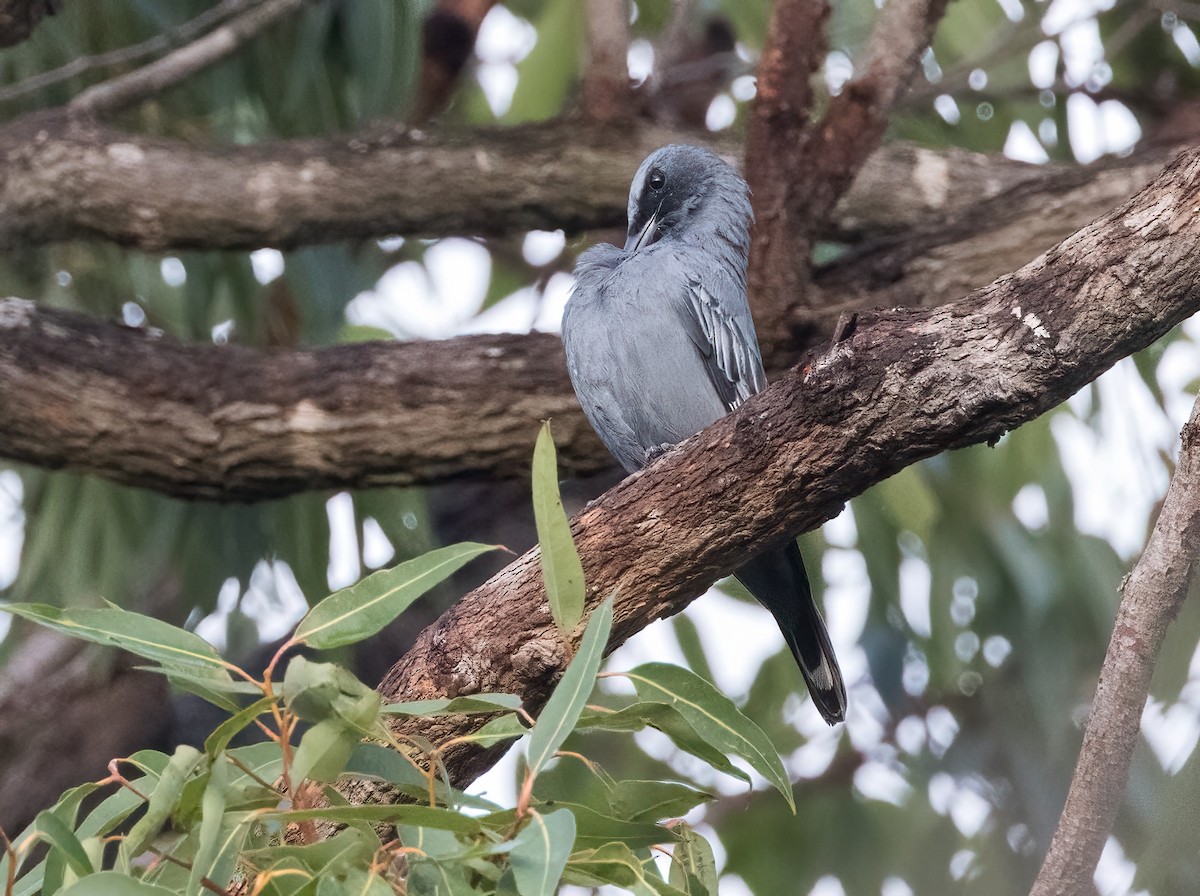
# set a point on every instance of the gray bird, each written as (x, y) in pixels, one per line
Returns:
(660, 343)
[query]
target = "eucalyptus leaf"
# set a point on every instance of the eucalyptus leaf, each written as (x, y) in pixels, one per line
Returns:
(540, 851)
(162, 801)
(562, 710)
(113, 883)
(714, 717)
(363, 609)
(693, 863)
(562, 571)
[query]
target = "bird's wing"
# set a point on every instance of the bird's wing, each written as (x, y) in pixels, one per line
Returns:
(724, 333)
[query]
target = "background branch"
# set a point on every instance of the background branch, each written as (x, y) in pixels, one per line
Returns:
(904, 386)
(152, 79)
(1151, 598)
(236, 423)
(160, 43)
(447, 42)
(606, 94)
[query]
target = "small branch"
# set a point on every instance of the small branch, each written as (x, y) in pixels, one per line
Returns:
(607, 95)
(150, 80)
(1151, 598)
(904, 386)
(447, 42)
(853, 126)
(775, 139)
(18, 18)
(160, 43)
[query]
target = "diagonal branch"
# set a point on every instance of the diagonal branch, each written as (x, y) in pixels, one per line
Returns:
(1151, 598)
(159, 43)
(155, 77)
(904, 386)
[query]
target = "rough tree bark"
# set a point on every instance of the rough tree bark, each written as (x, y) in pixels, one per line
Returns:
(903, 386)
(64, 178)
(234, 423)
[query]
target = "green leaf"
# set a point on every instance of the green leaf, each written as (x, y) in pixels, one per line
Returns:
(323, 752)
(561, 570)
(592, 828)
(473, 703)
(227, 730)
(162, 801)
(53, 831)
(208, 848)
(363, 609)
(172, 648)
(654, 800)
(501, 728)
(320, 691)
(693, 866)
(401, 813)
(386, 764)
(562, 710)
(112, 883)
(714, 717)
(539, 853)
(667, 719)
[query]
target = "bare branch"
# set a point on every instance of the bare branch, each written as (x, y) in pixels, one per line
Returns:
(903, 387)
(606, 94)
(125, 90)
(1151, 598)
(234, 423)
(18, 18)
(775, 139)
(160, 43)
(63, 179)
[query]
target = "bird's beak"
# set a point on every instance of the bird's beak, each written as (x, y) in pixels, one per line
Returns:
(644, 237)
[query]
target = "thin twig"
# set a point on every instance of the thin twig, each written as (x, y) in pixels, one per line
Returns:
(125, 90)
(160, 43)
(1151, 598)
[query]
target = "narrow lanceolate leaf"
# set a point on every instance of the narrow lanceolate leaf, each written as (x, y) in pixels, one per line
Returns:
(363, 609)
(53, 831)
(170, 647)
(113, 883)
(448, 706)
(229, 729)
(208, 849)
(539, 853)
(714, 717)
(693, 866)
(561, 570)
(570, 695)
(162, 800)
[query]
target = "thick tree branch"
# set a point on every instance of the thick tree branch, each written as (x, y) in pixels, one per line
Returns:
(238, 424)
(63, 179)
(150, 80)
(232, 423)
(1151, 598)
(902, 387)
(18, 18)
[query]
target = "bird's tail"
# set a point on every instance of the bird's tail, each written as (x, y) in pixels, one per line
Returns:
(778, 581)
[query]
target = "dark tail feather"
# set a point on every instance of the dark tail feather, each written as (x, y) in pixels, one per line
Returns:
(778, 582)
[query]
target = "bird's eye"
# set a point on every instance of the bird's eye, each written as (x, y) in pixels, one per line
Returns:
(656, 180)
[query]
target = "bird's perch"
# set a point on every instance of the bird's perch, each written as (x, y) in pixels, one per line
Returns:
(904, 386)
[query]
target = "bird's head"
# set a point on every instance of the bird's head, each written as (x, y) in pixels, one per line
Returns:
(682, 190)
